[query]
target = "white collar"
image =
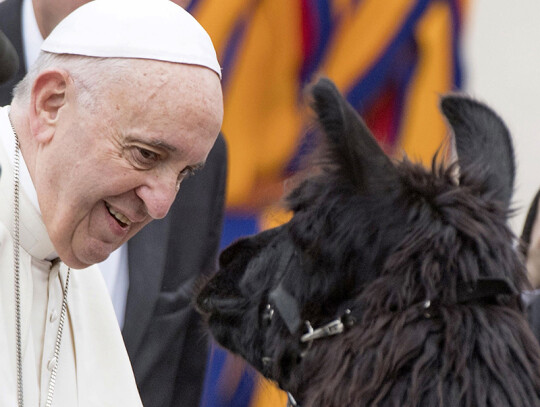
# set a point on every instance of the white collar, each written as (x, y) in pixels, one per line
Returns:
(32, 38)
(9, 146)
(34, 237)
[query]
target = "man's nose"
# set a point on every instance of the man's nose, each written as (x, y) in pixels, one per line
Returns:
(158, 196)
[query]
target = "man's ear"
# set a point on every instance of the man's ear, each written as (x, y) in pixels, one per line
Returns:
(48, 96)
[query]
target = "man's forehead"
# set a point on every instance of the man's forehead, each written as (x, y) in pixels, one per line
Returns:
(170, 84)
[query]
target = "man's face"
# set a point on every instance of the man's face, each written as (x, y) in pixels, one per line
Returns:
(111, 169)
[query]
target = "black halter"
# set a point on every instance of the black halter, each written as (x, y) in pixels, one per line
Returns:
(286, 306)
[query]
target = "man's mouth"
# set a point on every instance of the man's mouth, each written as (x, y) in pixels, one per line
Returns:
(120, 218)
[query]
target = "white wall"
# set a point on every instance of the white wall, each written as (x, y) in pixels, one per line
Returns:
(502, 61)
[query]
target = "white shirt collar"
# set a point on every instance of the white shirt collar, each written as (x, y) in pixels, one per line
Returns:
(32, 38)
(26, 180)
(34, 237)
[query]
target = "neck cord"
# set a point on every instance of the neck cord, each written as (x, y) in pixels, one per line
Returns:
(16, 263)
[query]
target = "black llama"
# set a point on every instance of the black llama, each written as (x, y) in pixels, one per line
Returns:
(392, 285)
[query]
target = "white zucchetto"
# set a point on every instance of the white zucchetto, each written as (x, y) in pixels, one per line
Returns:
(147, 29)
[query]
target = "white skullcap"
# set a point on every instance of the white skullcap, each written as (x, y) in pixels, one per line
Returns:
(147, 29)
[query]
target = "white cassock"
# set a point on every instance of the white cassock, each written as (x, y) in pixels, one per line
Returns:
(94, 369)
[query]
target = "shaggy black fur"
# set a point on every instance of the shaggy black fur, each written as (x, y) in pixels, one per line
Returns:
(384, 237)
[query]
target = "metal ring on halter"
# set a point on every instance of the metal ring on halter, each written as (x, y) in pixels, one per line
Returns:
(309, 342)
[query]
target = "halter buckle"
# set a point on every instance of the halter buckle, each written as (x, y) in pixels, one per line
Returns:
(334, 327)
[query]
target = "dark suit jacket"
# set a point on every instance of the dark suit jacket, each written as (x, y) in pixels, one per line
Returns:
(162, 332)
(10, 24)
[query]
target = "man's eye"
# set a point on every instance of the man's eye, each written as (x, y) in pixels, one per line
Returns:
(144, 157)
(147, 154)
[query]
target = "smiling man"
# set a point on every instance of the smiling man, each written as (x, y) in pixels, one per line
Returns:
(99, 136)
(107, 154)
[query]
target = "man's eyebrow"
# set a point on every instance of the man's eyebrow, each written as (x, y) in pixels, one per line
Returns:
(152, 143)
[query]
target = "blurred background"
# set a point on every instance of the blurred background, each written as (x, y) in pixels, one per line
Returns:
(391, 59)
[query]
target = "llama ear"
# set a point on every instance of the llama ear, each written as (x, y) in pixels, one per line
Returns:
(350, 143)
(482, 142)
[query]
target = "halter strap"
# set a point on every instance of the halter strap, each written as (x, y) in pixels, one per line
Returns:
(286, 305)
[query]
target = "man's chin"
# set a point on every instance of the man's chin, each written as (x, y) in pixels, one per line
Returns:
(80, 259)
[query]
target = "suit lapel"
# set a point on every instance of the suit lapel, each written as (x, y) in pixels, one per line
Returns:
(146, 258)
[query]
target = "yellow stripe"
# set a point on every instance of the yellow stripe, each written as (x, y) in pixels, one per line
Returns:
(268, 395)
(423, 128)
(262, 123)
(361, 38)
(219, 18)
(273, 216)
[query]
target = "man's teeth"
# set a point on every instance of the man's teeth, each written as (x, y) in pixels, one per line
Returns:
(118, 215)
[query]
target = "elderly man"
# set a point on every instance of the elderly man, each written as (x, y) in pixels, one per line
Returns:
(99, 136)
(151, 277)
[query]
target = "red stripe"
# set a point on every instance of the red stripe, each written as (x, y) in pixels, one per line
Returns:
(309, 30)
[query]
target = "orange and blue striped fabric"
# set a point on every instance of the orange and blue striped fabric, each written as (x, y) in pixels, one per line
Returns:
(392, 59)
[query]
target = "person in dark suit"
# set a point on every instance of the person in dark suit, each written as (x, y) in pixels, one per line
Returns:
(161, 331)
(9, 61)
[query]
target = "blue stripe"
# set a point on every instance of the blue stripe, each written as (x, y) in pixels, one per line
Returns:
(214, 392)
(231, 50)
(321, 10)
(456, 28)
(236, 225)
(230, 54)
(192, 6)
(371, 81)
(305, 147)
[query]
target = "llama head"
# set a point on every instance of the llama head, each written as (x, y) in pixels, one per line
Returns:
(366, 234)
